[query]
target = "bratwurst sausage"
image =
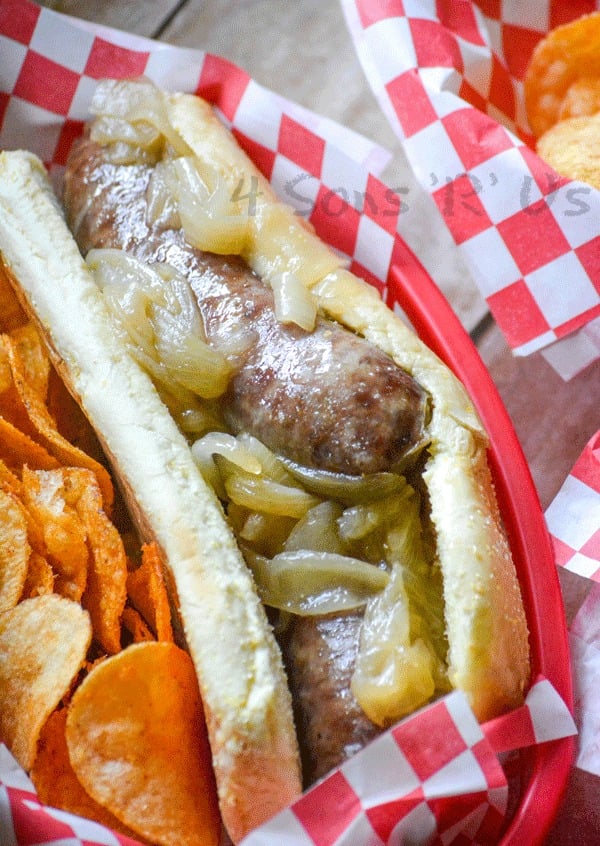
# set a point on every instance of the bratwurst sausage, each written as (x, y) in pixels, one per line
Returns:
(325, 399)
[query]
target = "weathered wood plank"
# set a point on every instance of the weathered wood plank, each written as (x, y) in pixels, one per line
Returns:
(304, 52)
(553, 419)
(143, 17)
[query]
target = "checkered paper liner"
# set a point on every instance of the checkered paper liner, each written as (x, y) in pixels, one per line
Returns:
(435, 778)
(585, 656)
(49, 64)
(449, 77)
(573, 517)
(573, 520)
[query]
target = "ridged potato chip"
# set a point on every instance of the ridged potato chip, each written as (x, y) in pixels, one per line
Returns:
(40, 577)
(147, 592)
(582, 98)
(135, 625)
(568, 54)
(64, 535)
(572, 148)
(17, 448)
(43, 645)
(137, 743)
(55, 782)
(14, 550)
(105, 592)
(10, 308)
(45, 426)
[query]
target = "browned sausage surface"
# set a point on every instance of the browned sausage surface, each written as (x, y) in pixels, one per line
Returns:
(326, 398)
(319, 654)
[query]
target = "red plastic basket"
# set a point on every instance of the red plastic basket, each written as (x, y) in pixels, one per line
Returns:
(544, 769)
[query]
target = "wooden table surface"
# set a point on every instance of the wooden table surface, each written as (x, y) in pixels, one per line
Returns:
(287, 47)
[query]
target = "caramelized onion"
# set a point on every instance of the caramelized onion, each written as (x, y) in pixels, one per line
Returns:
(293, 302)
(210, 219)
(306, 582)
(317, 530)
(265, 495)
(109, 130)
(399, 665)
(136, 100)
(155, 307)
(345, 488)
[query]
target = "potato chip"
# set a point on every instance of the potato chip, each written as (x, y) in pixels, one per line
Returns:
(14, 551)
(40, 576)
(137, 743)
(136, 626)
(43, 644)
(11, 312)
(6, 380)
(572, 148)
(9, 481)
(55, 782)
(70, 420)
(17, 449)
(582, 98)
(33, 356)
(64, 534)
(147, 591)
(11, 405)
(45, 426)
(105, 594)
(565, 55)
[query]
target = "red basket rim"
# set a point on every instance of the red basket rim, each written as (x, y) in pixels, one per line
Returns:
(438, 326)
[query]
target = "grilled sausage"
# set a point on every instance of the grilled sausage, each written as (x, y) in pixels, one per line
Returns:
(325, 398)
(319, 655)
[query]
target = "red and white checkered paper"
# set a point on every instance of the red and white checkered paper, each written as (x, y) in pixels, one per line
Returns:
(573, 520)
(452, 788)
(449, 77)
(573, 517)
(433, 779)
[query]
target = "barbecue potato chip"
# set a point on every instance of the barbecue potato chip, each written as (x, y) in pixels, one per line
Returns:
(572, 148)
(133, 622)
(43, 644)
(17, 448)
(582, 98)
(11, 312)
(14, 551)
(64, 534)
(45, 427)
(137, 743)
(31, 354)
(40, 577)
(55, 782)
(567, 54)
(105, 592)
(147, 592)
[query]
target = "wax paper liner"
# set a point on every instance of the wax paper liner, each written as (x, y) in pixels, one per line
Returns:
(449, 77)
(435, 778)
(48, 68)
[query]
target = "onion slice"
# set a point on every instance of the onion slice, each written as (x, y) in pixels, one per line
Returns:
(294, 303)
(306, 583)
(343, 487)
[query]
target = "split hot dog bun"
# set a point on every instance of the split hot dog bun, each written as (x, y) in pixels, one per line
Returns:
(479, 644)
(246, 700)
